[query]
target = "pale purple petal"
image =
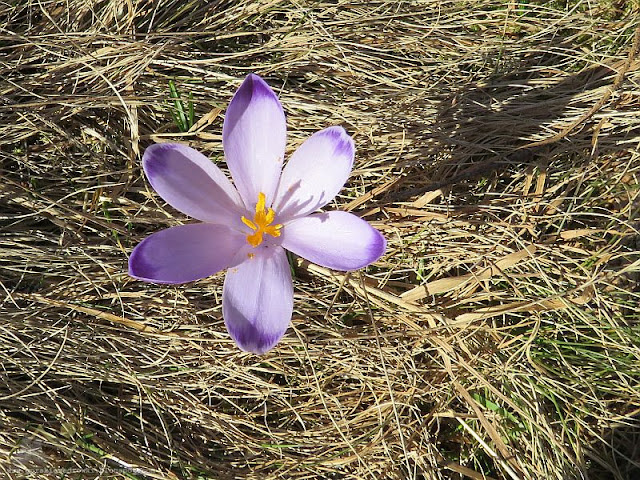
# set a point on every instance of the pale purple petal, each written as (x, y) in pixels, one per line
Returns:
(315, 174)
(337, 240)
(191, 183)
(254, 135)
(257, 300)
(185, 253)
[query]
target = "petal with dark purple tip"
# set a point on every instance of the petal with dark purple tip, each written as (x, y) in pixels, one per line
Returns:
(185, 253)
(254, 136)
(191, 183)
(337, 240)
(257, 300)
(315, 174)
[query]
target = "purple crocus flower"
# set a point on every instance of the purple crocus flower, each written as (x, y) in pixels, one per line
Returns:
(247, 228)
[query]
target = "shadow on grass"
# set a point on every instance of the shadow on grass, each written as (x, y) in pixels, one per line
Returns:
(617, 457)
(483, 129)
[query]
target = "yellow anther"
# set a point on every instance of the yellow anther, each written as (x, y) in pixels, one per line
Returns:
(249, 223)
(271, 215)
(261, 223)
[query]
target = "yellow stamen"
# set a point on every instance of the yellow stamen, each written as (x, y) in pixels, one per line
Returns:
(249, 223)
(261, 223)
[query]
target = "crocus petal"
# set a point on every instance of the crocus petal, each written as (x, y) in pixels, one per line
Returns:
(337, 240)
(185, 253)
(257, 300)
(191, 183)
(315, 174)
(254, 135)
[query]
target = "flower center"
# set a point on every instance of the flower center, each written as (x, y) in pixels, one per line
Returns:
(261, 223)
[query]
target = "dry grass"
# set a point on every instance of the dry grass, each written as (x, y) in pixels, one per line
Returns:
(499, 337)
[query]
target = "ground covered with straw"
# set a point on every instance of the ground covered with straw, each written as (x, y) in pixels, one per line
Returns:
(497, 150)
